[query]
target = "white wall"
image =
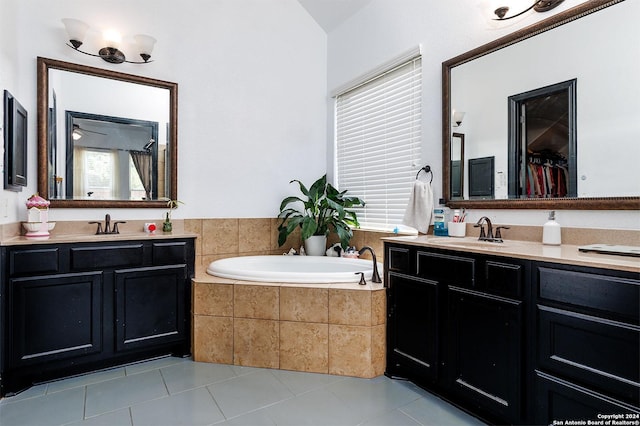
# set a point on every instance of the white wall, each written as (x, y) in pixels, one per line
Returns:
(8, 81)
(254, 77)
(252, 93)
(386, 28)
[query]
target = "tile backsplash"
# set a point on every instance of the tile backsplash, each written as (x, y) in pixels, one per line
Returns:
(221, 238)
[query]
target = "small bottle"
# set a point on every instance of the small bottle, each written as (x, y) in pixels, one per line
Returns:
(456, 216)
(551, 231)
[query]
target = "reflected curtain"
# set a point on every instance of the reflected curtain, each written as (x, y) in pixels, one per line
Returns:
(79, 174)
(142, 163)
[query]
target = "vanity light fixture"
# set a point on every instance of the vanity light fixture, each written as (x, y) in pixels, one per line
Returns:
(76, 31)
(457, 118)
(538, 6)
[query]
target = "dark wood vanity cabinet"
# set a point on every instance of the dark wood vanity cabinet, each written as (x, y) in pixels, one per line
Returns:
(456, 325)
(587, 343)
(71, 308)
(512, 340)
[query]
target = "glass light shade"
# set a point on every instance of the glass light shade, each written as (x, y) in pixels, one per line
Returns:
(457, 118)
(145, 43)
(76, 29)
(112, 38)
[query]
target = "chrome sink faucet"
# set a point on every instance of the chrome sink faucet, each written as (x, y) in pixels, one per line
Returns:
(107, 226)
(376, 275)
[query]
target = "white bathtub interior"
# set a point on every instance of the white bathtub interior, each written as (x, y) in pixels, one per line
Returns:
(293, 269)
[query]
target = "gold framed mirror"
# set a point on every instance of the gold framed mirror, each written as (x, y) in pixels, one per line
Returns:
(523, 39)
(59, 167)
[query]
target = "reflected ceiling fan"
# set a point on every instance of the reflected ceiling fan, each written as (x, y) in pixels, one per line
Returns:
(78, 132)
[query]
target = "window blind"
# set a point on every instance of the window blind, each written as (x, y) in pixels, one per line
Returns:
(378, 143)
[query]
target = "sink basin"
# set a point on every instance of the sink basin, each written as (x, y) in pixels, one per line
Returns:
(468, 242)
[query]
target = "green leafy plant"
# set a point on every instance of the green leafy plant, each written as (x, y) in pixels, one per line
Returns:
(324, 209)
(172, 205)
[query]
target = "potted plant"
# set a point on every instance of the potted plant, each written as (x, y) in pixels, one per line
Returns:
(323, 209)
(167, 226)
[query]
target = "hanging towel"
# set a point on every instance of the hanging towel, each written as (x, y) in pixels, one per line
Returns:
(420, 207)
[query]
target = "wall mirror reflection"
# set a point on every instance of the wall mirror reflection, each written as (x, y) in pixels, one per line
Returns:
(559, 49)
(106, 139)
(542, 142)
(112, 158)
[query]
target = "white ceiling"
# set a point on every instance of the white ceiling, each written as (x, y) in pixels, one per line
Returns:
(329, 14)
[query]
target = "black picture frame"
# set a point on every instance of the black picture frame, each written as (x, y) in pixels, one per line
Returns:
(15, 144)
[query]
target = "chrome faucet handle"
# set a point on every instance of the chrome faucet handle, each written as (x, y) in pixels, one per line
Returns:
(99, 230)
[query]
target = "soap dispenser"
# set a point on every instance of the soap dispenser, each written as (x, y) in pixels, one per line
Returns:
(551, 231)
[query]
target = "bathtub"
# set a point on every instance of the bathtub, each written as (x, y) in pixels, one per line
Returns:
(293, 269)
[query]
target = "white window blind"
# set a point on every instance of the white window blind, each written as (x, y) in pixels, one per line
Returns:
(378, 143)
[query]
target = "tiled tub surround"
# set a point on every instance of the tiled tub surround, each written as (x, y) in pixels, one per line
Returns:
(221, 238)
(327, 328)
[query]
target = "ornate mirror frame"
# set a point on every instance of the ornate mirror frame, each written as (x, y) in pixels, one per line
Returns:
(43, 67)
(595, 203)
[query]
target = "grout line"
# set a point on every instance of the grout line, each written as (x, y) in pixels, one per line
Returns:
(164, 382)
(216, 402)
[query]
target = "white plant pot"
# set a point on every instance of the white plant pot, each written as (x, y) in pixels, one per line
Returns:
(316, 245)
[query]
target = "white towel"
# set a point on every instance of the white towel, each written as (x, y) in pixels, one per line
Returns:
(420, 207)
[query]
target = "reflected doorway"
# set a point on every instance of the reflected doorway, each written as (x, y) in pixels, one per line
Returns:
(542, 142)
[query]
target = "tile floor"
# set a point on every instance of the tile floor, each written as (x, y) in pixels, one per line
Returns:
(173, 391)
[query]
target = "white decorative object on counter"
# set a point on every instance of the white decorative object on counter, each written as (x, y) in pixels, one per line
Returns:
(38, 225)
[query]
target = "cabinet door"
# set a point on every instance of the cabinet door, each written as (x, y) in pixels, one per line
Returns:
(412, 327)
(55, 317)
(485, 350)
(150, 306)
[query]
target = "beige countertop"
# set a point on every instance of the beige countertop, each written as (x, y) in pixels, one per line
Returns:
(91, 238)
(565, 253)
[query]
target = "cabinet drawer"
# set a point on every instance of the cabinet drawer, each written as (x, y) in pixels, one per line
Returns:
(617, 296)
(446, 268)
(595, 352)
(34, 261)
(170, 253)
(556, 399)
(84, 258)
(399, 259)
(504, 279)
